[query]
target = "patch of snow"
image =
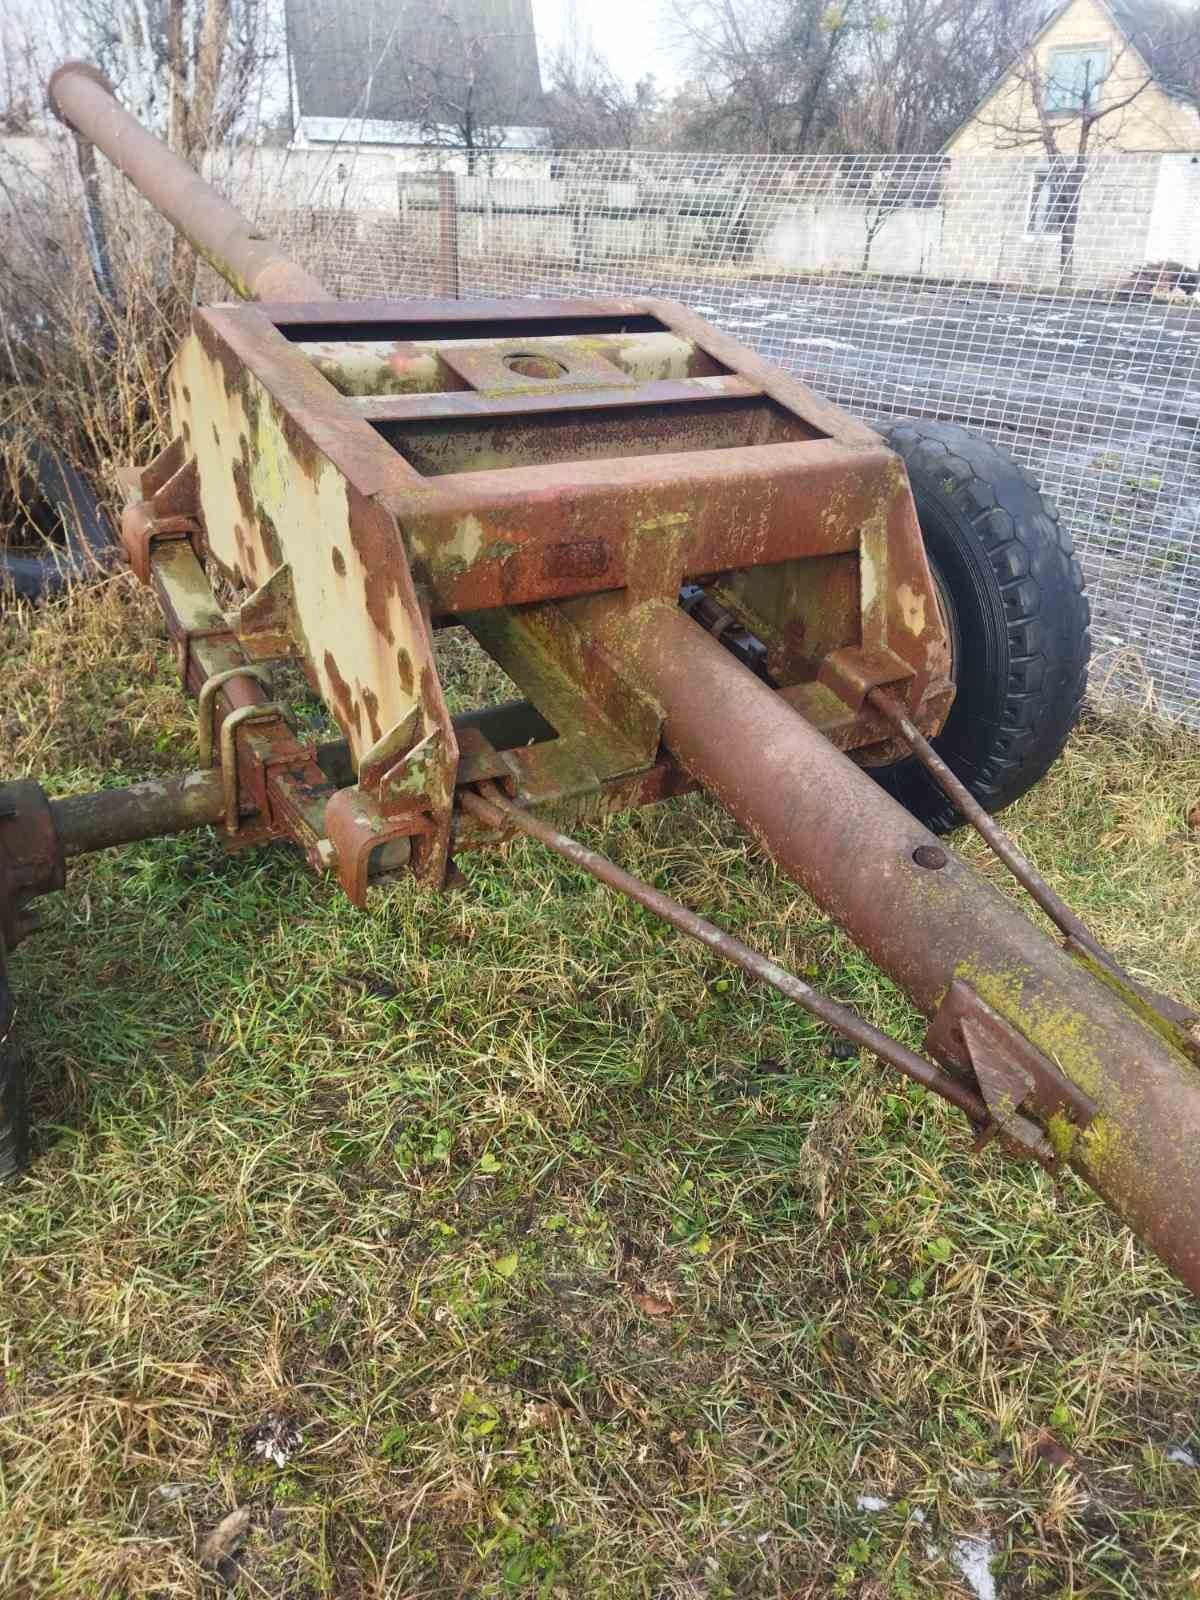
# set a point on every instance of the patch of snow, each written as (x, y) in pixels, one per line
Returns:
(825, 344)
(275, 1439)
(973, 1558)
(1182, 1455)
(872, 1502)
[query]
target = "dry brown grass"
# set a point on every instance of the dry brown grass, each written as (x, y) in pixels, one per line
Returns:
(412, 1179)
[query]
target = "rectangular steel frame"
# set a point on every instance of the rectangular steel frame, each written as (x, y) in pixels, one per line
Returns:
(355, 474)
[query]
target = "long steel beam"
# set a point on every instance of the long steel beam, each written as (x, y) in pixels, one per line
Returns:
(255, 267)
(860, 855)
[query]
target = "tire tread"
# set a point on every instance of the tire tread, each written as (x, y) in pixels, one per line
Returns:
(1046, 613)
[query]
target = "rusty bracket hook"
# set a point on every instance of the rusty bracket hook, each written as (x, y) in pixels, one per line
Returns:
(206, 710)
(230, 777)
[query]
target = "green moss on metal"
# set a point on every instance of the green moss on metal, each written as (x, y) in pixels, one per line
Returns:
(1137, 1003)
(1062, 1032)
(1101, 1141)
(1062, 1134)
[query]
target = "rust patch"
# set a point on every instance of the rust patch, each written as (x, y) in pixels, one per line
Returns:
(404, 670)
(350, 710)
(300, 446)
(241, 487)
(269, 535)
(371, 533)
(221, 355)
(576, 558)
(371, 701)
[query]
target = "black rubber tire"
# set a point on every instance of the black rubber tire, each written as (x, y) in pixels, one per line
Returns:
(14, 1106)
(89, 546)
(1014, 593)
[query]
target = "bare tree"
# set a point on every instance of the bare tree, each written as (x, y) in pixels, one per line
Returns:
(767, 70)
(1071, 113)
(918, 67)
(181, 68)
(589, 107)
(464, 97)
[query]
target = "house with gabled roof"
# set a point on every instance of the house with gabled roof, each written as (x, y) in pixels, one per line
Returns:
(1095, 61)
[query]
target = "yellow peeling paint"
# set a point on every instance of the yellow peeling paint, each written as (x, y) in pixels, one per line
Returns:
(467, 541)
(307, 503)
(911, 606)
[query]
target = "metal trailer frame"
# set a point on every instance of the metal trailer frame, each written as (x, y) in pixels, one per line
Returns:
(344, 477)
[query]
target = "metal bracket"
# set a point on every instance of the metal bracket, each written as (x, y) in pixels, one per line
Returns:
(167, 510)
(357, 830)
(230, 777)
(967, 1034)
(851, 673)
(206, 711)
(264, 624)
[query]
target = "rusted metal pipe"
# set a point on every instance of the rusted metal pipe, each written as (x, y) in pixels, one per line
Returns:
(254, 266)
(986, 825)
(86, 822)
(1004, 846)
(855, 850)
(495, 811)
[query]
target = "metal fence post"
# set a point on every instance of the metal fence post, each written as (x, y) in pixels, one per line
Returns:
(448, 235)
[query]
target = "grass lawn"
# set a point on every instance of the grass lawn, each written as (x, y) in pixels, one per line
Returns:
(505, 1244)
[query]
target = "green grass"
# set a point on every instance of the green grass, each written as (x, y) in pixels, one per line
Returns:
(582, 1266)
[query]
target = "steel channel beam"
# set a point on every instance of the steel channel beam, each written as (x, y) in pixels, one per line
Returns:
(468, 405)
(562, 529)
(255, 267)
(852, 847)
(374, 368)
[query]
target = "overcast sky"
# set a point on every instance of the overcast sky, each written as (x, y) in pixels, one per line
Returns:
(630, 33)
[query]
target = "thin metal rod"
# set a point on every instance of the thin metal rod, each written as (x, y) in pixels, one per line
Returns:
(1001, 842)
(492, 808)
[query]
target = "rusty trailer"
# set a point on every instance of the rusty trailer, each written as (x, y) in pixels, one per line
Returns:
(697, 572)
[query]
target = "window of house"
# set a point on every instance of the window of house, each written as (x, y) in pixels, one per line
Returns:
(1073, 76)
(1047, 201)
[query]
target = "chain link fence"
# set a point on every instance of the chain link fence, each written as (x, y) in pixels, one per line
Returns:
(1051, 308)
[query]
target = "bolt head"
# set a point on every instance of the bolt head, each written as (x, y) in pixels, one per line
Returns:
(930, 856)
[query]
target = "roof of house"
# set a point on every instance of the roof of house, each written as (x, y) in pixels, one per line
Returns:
(1137, 27)
(407, 61)
(1128, 20)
